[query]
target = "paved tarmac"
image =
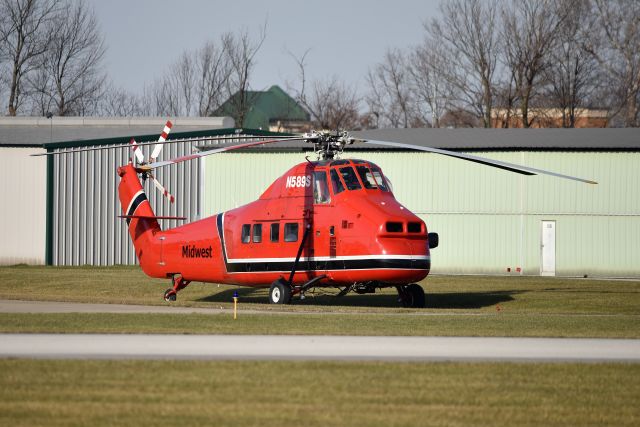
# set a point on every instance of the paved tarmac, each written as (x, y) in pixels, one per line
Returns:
(272, 347)
(18, 306)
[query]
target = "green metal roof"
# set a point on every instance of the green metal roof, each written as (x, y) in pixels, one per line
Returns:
(265, 107)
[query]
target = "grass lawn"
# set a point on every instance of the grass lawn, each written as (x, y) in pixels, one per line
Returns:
(499, 324)
(151, 393)
(457, 306)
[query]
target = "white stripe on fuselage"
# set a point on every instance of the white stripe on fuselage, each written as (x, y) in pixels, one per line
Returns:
(329, 258)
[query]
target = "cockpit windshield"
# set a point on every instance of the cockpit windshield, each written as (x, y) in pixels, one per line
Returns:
(367, 177)
(377, 174)
(350, 178)
(371, 178)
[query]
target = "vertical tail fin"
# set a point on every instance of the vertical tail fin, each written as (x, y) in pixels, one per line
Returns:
(142, 222)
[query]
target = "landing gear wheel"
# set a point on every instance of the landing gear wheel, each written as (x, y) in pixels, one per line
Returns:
(280, 292)
(170, 295)
(412, 296)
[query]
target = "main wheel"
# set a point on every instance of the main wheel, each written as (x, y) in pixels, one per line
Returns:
(412, 296)
(280, 292)
(170, 295)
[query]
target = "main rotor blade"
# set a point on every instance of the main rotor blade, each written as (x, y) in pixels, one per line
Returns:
(171, 141)
(512, 167)
(155, 165)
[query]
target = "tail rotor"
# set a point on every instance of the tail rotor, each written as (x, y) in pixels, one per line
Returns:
(157, 149)
(163, 137)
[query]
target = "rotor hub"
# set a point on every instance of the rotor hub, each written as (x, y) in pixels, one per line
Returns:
(328, 145)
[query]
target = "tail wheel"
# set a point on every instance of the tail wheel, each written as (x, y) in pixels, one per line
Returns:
(280, 292)
(412, 296)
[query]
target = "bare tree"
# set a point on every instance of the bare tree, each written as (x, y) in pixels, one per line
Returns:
(572, 69)
(70, 71)
(616, 46)
(430, 67)
(24, 39)
(389, 95)
(242, 50)
(331, 103)
(195, 84)
(469, 29)
(530, 31)
(213, 70)
(334, 105)
(118, 102)
(184, 83)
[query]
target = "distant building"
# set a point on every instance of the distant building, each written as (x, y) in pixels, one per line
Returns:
(548, 118)
(273, 110)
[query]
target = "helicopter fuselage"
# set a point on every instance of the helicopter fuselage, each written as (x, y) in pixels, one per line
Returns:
(337, 219)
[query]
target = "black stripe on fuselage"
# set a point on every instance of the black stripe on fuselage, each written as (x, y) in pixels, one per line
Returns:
(220, 226)
(136, 202)
(337, 264)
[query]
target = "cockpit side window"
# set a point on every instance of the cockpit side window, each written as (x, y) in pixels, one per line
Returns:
(366, 177)
(377, 174)
(336, 183)
(350, 178)
(320, 188)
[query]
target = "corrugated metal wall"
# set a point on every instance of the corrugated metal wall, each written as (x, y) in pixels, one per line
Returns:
(85, 224)
(22, 203)
(488, 219)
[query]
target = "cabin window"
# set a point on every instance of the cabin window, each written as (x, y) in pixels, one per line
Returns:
(291, 232)
(275, 232)
(257, 233)
(350, 178)
(367, 177)
(246, 233)
(336, 183)
(320, 187)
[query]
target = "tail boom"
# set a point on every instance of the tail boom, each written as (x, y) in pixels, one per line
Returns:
(142, 222)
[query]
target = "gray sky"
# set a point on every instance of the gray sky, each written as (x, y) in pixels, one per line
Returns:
(346, 37)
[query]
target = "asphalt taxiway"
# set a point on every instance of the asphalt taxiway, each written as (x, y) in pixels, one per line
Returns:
(300, 347)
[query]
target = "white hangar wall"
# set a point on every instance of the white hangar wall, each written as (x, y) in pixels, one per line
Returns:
(489, 220)
(23, 202)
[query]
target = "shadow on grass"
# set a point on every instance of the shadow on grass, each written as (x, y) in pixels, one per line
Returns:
(469, 300)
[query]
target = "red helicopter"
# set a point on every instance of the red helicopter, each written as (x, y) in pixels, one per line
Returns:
(331, 222)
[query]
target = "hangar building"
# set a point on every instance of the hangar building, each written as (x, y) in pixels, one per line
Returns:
(490, 221)
(63, 210)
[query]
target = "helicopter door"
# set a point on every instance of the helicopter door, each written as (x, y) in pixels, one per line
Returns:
(324, 235)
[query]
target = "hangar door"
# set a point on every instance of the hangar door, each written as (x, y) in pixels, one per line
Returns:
(548, 248)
